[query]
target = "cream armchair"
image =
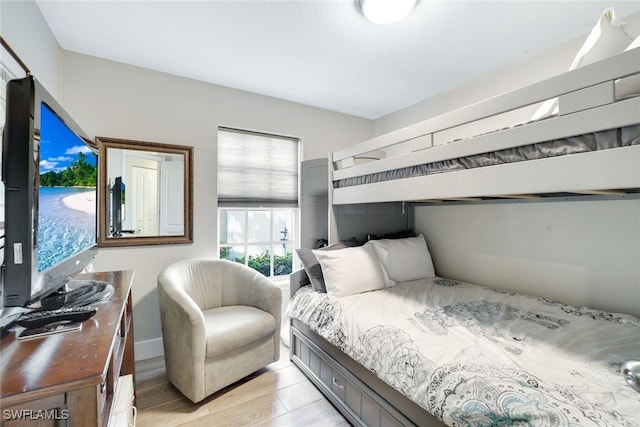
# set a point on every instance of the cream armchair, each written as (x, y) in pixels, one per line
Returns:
(220, 323)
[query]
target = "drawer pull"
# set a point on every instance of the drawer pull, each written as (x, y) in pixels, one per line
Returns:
(337, 383)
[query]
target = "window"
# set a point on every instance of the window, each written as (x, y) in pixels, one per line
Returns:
(259, 238)
(258, 199)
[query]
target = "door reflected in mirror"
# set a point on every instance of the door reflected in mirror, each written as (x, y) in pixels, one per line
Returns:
(145, 193)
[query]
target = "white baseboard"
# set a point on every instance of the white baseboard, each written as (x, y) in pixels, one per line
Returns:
(148, 349)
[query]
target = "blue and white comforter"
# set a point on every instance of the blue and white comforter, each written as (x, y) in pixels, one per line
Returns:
(473, 356)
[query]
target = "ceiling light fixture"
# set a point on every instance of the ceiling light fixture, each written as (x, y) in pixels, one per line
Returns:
(386, 11)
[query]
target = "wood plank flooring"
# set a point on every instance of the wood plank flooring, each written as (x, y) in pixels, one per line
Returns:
(278, 395)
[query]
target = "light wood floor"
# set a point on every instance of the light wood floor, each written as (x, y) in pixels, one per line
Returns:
(277, 395)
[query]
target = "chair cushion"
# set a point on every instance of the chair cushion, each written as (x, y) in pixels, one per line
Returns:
(232, 327)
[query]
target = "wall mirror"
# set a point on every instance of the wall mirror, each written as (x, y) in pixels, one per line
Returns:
(145, 193)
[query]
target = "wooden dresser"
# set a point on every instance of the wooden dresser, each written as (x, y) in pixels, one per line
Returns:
(69, 378)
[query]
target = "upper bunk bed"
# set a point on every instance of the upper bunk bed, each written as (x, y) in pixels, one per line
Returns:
(589, 145)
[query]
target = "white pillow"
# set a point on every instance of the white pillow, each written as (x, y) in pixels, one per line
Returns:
(381, 256)
(350, 271)
(404, 259)
(606, 39)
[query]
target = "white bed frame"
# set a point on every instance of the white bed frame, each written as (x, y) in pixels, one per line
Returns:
(586, 104)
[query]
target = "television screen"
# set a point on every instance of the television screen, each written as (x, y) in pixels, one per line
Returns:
(67, 192)
(49, 172)
(117, 200)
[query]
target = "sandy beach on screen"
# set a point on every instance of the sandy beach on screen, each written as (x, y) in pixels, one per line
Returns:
(84, 202)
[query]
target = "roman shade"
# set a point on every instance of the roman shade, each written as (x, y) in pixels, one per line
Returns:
(257, 169)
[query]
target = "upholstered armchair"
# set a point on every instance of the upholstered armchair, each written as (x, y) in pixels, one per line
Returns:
(220, 323)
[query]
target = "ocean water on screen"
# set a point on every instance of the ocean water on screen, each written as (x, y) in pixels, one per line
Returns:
(63, 231)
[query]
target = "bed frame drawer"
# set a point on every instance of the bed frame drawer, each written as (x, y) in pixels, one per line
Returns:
(360, 405)
(339, 386)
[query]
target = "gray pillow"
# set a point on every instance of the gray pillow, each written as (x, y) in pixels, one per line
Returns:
(312, 266)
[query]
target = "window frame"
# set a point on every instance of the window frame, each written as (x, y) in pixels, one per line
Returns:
(294, 242)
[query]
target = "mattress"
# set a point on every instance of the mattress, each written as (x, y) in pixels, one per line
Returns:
(472, 355)
(597, 141)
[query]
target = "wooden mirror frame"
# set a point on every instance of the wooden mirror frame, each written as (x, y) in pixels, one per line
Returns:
(104, 143)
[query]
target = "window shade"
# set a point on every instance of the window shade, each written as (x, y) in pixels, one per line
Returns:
(256, 169)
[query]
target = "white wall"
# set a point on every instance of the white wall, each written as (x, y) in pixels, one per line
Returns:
(116, 100)
(28, 34)
(553, 62)
(579, 252)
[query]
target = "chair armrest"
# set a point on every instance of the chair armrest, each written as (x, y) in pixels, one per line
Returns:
(266, 295)
(183, 335)
(182, 321)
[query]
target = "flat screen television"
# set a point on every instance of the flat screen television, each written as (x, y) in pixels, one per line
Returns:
(49, 172)
(117, 200)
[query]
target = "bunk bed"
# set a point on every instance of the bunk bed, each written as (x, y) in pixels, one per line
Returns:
(590, 145)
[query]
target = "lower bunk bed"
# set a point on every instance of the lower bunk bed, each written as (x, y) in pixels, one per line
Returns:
(433, 351)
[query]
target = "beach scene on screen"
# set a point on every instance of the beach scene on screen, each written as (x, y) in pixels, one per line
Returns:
(67, 192)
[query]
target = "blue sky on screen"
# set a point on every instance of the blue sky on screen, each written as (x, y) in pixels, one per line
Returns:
(59, 146)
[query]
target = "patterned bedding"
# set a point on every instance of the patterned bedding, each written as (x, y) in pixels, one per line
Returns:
(474, 356)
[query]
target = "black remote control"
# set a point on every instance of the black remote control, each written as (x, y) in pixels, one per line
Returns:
(57, 300)
(36, 319)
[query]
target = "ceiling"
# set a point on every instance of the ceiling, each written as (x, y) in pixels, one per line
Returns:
(323, 53)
